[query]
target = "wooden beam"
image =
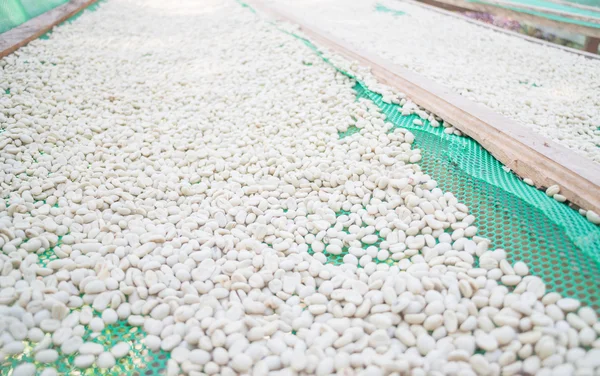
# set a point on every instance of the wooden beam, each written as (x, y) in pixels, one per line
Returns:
(591, 44)
(19, 36)
(445, 9)
(527, 153)
(441, 5)
(523, 17)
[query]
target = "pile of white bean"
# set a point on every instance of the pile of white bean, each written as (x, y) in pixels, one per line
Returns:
(188, 155)
(553, 92)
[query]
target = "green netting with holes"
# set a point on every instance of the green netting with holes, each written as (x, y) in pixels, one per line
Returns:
(140, 360)
(553, 239)
(521, 6)
(15, 12)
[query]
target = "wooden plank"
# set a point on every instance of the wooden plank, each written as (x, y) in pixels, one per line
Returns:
(19, 36)
(440, 5)
(523, 17)
(526, 153)
(445, 9)
(591, 44)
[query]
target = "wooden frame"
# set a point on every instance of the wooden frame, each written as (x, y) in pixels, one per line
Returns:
(593, 34)
(575, 16)
(19, 36)
(528, 154)
(450, 11)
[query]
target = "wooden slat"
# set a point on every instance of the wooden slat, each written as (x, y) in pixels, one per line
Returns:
(526, 153)
(591, 44)
(15, 38)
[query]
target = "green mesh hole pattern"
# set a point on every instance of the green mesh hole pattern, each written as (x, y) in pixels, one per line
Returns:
(339, 259)
(554, 240)
(349, 132)
(48, 255)
(557, 243)
(139, 361)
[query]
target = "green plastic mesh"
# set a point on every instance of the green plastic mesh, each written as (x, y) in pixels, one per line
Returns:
(339, 259)
(139, 361)
(48, 255)
(15, 12)
(517, 5)
(556, 242)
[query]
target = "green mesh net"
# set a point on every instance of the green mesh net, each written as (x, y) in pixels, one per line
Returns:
(15, 12)
(556, 242)
(139, 360)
